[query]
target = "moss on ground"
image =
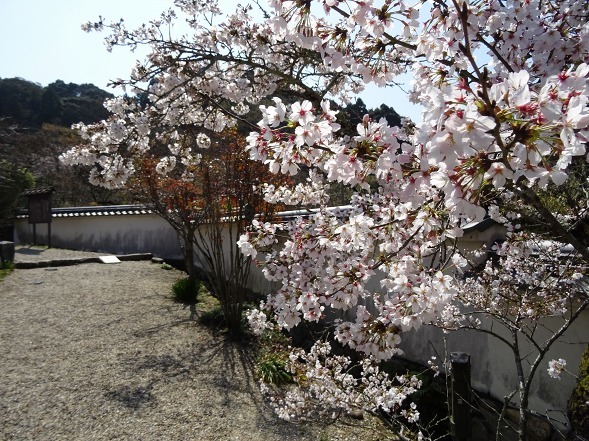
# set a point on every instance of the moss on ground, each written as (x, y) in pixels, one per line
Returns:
(578, 407)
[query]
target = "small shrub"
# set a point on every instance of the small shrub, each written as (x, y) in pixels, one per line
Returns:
(185, 291)
(167, 266)
(271, 358)
(272, 370)
(6, 268)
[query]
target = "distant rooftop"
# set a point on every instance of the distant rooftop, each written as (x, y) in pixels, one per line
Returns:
(37, 191)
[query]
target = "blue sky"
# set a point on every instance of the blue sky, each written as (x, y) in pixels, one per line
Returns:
(41, 41)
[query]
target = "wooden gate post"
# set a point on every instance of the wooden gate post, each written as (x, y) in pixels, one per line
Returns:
(460, 416)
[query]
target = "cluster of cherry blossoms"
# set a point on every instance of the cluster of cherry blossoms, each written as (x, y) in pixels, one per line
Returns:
(328, 388)
(527, 278)
(556, 367)
(491, 131)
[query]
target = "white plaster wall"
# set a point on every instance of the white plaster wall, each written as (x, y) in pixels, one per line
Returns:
(124, 234)
(117, 234)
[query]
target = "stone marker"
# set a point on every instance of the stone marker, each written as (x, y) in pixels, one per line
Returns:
(109, 259)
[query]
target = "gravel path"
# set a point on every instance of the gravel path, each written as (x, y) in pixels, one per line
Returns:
(100, 352)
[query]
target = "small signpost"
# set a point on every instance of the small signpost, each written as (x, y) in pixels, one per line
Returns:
(39, 204)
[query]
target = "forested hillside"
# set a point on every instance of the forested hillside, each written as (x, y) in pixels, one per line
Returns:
(27, 104)
(35, 128)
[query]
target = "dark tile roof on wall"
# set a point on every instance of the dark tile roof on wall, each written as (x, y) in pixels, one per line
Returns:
(37, 191)
(107, 210)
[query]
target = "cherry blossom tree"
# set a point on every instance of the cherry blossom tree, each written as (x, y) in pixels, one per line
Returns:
(209, 203)
(504, 91)
(527, 280)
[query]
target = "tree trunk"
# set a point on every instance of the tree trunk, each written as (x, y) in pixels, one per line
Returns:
(522, 388)
(191, 271)
(189, 260)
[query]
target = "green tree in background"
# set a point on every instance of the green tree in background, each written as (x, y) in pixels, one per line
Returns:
(51, 106)
(80, 102)
(13, 181)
